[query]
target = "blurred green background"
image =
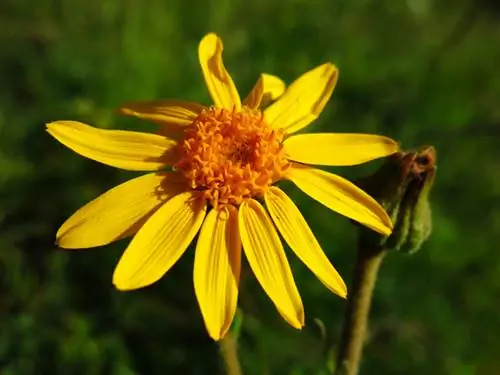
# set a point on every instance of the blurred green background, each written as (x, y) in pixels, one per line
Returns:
(420, 71)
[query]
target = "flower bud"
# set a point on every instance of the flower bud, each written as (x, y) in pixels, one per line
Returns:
(402, 186)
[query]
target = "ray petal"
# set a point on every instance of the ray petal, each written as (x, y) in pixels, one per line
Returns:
(342, 196)
(294, 229)
(267, 258)
(338, 149)
(117, 148)
(304, 99)
(217, 270)
(268, 88)
(219, 82)
(164, 112)
(119, 212)
(160, 242)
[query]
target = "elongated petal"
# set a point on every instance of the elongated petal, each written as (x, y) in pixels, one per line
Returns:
(119, 212)
(267, 88)
(219, 82)
(341, 196)
(217, 265)
(160, 242)
(267, 259)
(301, 240)
(164, 112)
(304, 100)
(118, 148)
(338, 149)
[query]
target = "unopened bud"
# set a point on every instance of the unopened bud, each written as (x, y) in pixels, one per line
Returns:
(402, 186)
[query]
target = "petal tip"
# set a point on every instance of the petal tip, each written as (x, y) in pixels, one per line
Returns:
(338, 287)
(216, 336)
(209, 40)
(343, 294)
(301, 320)
(330, 69)
(123, 282)
(211, 34)
(299, 324)
(383, 225)
(330, 66)
(392, 144)
(125, 110)
(65, 243)
(120, 285)
(385, 229)
(388, 223)
(120, 289)
(50, 127)
(59, 123)
(59, 242)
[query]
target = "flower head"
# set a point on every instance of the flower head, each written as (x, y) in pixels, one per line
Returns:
(224, 162)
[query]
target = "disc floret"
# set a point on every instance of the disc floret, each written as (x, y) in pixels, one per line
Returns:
(230, 156)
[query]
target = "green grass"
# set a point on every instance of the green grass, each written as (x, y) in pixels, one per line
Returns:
(419, 72)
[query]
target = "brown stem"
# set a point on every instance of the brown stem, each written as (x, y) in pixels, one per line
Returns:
(358, 307)
(229, 353)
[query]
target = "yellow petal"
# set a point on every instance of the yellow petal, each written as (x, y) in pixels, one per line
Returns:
(160, 242)
(119, 212)
(341, 196)
(267, 259)
(172, 115)
(301, 240)
(268, 88)
(118, 148)
(217, 270)
(304, 100)
(219, 82)
(164, 112)
(338, 149)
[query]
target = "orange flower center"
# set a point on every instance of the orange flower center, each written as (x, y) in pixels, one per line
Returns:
(230, 156)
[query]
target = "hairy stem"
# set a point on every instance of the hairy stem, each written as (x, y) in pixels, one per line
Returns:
(358, 307)
(229, 353)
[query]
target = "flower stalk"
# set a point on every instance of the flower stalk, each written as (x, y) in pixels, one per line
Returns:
(402, 186)
(365, 274)
(229, 354)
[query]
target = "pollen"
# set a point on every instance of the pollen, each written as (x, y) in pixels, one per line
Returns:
(230, 156)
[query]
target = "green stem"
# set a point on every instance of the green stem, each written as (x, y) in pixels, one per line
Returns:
(358, 307)
(229, 353)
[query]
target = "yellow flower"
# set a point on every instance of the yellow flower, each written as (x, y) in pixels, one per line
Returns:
(224, 161)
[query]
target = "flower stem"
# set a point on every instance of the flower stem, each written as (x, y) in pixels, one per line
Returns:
(229, 353)
(358, 307)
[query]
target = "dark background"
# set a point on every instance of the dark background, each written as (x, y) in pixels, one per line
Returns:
(422, 72)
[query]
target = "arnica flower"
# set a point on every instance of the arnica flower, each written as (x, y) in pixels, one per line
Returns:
(213, 169)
